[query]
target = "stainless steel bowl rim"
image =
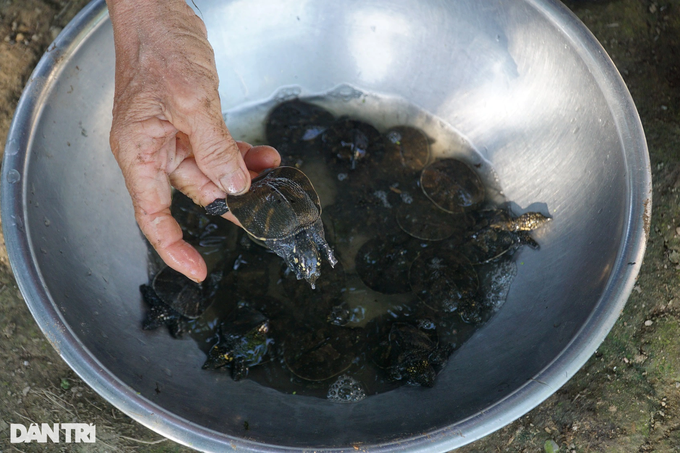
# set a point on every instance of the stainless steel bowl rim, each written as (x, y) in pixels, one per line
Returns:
(166, 423)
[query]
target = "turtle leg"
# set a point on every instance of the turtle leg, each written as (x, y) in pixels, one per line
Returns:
(177, 327)
(239, 369)
(158, 314)
(217, 207)
(319, 238)
(217, 357)
(525, 238)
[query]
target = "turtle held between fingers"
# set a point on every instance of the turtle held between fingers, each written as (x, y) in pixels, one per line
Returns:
(282, 212)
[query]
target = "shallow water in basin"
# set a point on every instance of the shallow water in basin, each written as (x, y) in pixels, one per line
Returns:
(375, 321)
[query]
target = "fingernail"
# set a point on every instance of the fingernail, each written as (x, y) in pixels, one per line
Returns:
(235, 184)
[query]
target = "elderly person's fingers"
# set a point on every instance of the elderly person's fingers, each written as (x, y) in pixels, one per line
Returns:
(163, 231)
(218, 156)
(193, 107)
(145, 157)
(259, 158)
(190, 180)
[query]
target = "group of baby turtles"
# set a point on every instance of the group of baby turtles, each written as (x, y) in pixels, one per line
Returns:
(412, 241)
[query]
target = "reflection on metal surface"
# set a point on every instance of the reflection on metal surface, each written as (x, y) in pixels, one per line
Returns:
(376, 38)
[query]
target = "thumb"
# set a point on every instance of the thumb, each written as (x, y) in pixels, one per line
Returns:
(218, 156)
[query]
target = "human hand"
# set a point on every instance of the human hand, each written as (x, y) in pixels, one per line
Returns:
(167, 123)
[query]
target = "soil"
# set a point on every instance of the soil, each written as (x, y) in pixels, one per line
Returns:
(625, 399)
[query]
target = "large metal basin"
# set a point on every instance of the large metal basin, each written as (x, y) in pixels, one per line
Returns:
(522, 80)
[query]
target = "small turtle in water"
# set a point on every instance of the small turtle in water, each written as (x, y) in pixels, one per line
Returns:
(423, 219)
(383, 263)
(174, 299)
(282, 211)
(412, 354)
(293, 121)
(242, 342)
(528, 221)
(498, 233)
(406, 148)
(353, 140)
(317, 353)
(452, 185)
(443, 279)
(294, 128)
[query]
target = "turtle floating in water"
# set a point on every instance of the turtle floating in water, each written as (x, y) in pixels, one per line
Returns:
(352, 141)
(412, 354)
(443, 279)
(322, 351)
(452, 185)
(242, 342)
(406, 148)
(498, 233)
(174, 299)
(282, 212)
(383, 263)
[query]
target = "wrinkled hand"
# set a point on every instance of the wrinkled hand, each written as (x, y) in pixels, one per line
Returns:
(167, 123)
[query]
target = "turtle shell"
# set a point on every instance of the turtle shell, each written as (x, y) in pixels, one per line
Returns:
(423, 220)
(406, 148)
(180, 293)
(294, 121)
(383, 263)
(452, 185)
(317, 354)
(280, 203)
(442, 279)
(353, 141)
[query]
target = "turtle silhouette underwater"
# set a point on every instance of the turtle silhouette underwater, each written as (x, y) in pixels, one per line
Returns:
(282, 212)
(174, 299)
(242, 342)
(498, 234)
(412, 354)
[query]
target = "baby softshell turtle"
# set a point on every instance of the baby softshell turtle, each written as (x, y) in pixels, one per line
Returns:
(424, 220)
(353, 141)
(317, 353)
(242, 342)
(406, 148)
(452, 185)
(412, 354)
(499, 233)
(528, 221)
(443, 279)
(282, 211)
(293, 121)
(173, 299)
(383, 263)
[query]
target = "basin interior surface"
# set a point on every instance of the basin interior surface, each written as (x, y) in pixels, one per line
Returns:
(523, 81)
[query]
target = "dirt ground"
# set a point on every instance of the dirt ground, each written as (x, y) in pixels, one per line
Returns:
(625, 399)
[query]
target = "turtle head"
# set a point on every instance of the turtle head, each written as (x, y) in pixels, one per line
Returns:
(304, 258)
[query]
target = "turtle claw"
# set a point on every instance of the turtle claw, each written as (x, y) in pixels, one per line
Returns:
(218, 207)
(160, 314)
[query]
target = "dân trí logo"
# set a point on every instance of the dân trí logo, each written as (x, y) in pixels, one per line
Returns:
(72, 432)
